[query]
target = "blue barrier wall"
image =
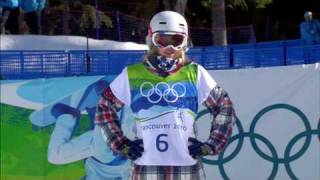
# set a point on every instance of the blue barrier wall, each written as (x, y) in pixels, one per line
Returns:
(37, 64)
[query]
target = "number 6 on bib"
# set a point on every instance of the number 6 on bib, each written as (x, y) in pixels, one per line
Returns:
(162, 145)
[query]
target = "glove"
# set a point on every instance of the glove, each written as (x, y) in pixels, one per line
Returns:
(197, 149)
(133, 149)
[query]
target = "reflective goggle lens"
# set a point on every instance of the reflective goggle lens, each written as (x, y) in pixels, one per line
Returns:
(164, 40)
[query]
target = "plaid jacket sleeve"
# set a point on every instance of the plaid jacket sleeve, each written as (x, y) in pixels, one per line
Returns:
(107, 118)
(221, 108)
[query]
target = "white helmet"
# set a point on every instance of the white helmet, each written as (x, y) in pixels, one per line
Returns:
(168, 22)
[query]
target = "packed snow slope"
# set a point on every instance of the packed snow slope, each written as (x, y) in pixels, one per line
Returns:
(42, 42)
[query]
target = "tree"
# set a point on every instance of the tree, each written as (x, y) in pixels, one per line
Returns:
(218, 23)
(148, 8)
(66, 17)
(218, 15)
(167, 4)
(76, 19)
(181, 6)
(88, 20)
(176, 5)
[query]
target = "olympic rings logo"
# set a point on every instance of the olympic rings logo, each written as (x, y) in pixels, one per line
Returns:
(162, 90)
(253, 136)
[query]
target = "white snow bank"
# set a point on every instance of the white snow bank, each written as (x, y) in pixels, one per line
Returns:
(42, 42)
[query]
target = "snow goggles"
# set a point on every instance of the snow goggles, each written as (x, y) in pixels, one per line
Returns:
(165, 39)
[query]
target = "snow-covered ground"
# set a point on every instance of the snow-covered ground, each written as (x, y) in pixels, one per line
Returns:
(42, 42)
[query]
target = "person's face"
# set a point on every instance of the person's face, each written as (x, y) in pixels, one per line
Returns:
(169, 52)
(169, 44)
(308, 17)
